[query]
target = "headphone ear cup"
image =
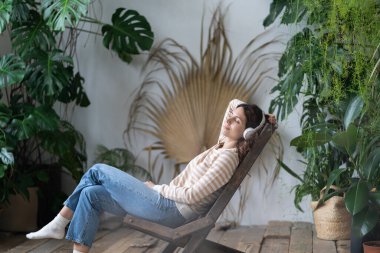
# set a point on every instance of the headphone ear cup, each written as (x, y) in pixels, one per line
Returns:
(248, 133)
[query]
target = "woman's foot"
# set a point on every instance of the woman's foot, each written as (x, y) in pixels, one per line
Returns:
(54, 229)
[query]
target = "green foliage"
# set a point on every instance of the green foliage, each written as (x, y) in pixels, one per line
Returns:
(129, 33)
(293, 13)
(355, 203)
(332, 66)
(5, 13)
(122, 159)
(12, 70)
(59, 13)
(39, 74)
(32, 33)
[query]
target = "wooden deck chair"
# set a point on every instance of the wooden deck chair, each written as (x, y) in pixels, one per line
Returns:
(192, 235)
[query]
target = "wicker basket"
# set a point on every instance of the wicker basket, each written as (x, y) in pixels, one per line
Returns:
(332, 220)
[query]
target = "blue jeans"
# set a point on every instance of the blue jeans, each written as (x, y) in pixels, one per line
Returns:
(106, 189)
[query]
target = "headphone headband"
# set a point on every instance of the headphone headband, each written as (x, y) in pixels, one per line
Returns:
(251, 131)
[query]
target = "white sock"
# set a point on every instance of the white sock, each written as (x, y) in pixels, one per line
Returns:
(77, 251)
(54, 229)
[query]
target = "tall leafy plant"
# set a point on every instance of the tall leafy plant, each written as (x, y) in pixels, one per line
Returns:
(39, 73)
(329, 66)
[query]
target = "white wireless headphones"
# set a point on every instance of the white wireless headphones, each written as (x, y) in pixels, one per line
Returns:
(249, 132)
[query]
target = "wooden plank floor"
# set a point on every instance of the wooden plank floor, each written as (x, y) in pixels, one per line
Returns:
(276, 237)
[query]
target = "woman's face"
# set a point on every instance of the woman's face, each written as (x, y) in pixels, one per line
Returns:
(234, 127)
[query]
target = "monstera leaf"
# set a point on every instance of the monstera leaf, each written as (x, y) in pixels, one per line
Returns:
(12, 70)
(294, 12)
(48, 74)
(5, 13)
(129, 33)
(34, 120)
(75, 92)
(21, 10)
(32, 34)
(68, 145)
(58, 13)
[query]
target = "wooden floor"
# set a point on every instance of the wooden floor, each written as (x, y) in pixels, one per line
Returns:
(276, 237)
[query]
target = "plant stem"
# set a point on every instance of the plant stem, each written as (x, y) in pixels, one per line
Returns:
(91, 20)
(84, 30)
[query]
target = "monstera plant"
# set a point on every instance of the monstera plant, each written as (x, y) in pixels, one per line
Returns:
(331, 66)
(39, 73)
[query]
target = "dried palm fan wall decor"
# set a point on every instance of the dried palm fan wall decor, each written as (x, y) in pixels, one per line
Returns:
(184, 112)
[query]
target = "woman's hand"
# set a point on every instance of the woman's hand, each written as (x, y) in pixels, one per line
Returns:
(150, 184)
(272, 119)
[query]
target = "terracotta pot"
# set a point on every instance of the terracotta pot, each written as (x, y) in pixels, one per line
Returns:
(21, 214)
(371, 247)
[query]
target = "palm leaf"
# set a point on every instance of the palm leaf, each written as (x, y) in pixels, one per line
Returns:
(5, 13)
(60, 13)
(129, 33)
(12, 70)
(190, 104)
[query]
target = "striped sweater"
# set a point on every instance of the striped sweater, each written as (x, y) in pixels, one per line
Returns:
(196, 188)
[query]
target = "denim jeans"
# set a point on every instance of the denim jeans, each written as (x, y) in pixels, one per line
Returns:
(106, 189)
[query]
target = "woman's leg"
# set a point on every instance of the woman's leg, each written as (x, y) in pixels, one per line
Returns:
(66, 212)
(130, 193)
(92, 202)
(54, 229)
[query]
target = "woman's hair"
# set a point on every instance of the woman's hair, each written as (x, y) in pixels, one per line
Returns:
(254, 116)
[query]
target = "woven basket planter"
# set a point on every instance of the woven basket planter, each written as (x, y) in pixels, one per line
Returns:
(332, 220)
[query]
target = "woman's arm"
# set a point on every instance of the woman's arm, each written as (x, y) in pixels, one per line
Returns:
(216, 176)
(232, 106)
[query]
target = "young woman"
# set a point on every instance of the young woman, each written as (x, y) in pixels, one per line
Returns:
(107, 189)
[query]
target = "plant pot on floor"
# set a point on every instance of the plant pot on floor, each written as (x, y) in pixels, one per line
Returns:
(21, 214)
(371, 247)
(332, 220)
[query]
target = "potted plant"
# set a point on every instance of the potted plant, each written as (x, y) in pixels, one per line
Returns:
(38, 74)
(361, 142)
(327, 64)
(325, 179)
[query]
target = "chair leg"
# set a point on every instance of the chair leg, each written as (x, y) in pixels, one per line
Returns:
(213, 247)
(170, 248)
(195, 241)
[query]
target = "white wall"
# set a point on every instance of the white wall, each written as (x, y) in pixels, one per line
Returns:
(110, 83)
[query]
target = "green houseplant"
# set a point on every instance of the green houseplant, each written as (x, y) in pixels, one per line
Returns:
(39, 73)
(327, 65)
(123, 159)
